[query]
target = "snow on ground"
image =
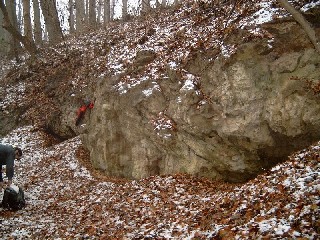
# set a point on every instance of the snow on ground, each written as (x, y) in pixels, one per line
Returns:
(173, 36)
(65, 200)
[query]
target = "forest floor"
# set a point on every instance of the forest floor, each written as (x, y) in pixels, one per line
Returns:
(67, 199)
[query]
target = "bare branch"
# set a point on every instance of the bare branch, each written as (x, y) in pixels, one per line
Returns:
(27, 43)
(303, 22)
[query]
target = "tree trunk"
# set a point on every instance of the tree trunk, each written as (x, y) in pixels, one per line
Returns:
(113, 4)
(17, 37)
(4, 46)
(87, 12)
(27, 29)
(106, 13)
(99, 10)
(14, 43)
(158, 4)
(71, 17)
(37, 30)
(51, 19)
(92, 14)
(19, 17)
(303, 22)
(80, 15)
(145, 6)
(124, 9)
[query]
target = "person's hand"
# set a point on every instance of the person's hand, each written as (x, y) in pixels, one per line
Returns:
(9, 183)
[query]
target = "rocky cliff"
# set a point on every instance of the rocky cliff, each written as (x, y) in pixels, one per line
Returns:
(226, 118)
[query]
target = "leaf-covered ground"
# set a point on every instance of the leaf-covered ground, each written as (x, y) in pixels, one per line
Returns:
(67, 199)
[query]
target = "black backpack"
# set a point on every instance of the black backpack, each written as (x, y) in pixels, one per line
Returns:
(13, 200)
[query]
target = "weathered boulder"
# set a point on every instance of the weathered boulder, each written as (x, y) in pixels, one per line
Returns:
(216, 118)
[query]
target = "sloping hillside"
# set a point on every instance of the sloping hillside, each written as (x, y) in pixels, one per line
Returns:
(67, 199)
(68, 72)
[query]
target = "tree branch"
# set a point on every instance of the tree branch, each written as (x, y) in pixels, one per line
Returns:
(303, 22)
(27, 43)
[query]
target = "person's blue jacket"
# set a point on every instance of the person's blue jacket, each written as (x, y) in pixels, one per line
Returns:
(7, 156)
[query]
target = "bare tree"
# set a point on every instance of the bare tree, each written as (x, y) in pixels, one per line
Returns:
(37, 30)
(27, 29)
(106, 13)
(4, 47)
(124, 9)
(71, 17)
(87, 11)
(158, 4)
(92, 14)
(145, 6)
(51, 19)
(13, 30)
(303, 22)
(13, 42)
(80, 15)
(99, 11)
(19, 17)
(113, 4)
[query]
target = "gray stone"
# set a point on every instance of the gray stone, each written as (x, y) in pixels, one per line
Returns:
(242, 119)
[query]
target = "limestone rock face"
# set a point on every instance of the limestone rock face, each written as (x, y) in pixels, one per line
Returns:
(219, 119)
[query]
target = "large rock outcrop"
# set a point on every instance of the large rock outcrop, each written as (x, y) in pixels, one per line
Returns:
(216, 118)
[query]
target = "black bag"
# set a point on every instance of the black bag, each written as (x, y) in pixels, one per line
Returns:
(13, 200)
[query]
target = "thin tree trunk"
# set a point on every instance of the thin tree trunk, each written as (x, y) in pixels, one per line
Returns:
(87, 12)
(80, 15)
(145, 6)
(19, 17)
(92, 14)
(51, 19)
(303, 22)
(29, 45)
(113, 3)
(124, 9)
(14, 43)
(158, 4)
(99, 10)
(26, 19)
(71, 18)
(37, 30)
(4, 46)
(106, 13)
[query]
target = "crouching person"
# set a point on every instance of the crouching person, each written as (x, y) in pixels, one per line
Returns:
(13, 197)
(7, 156)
